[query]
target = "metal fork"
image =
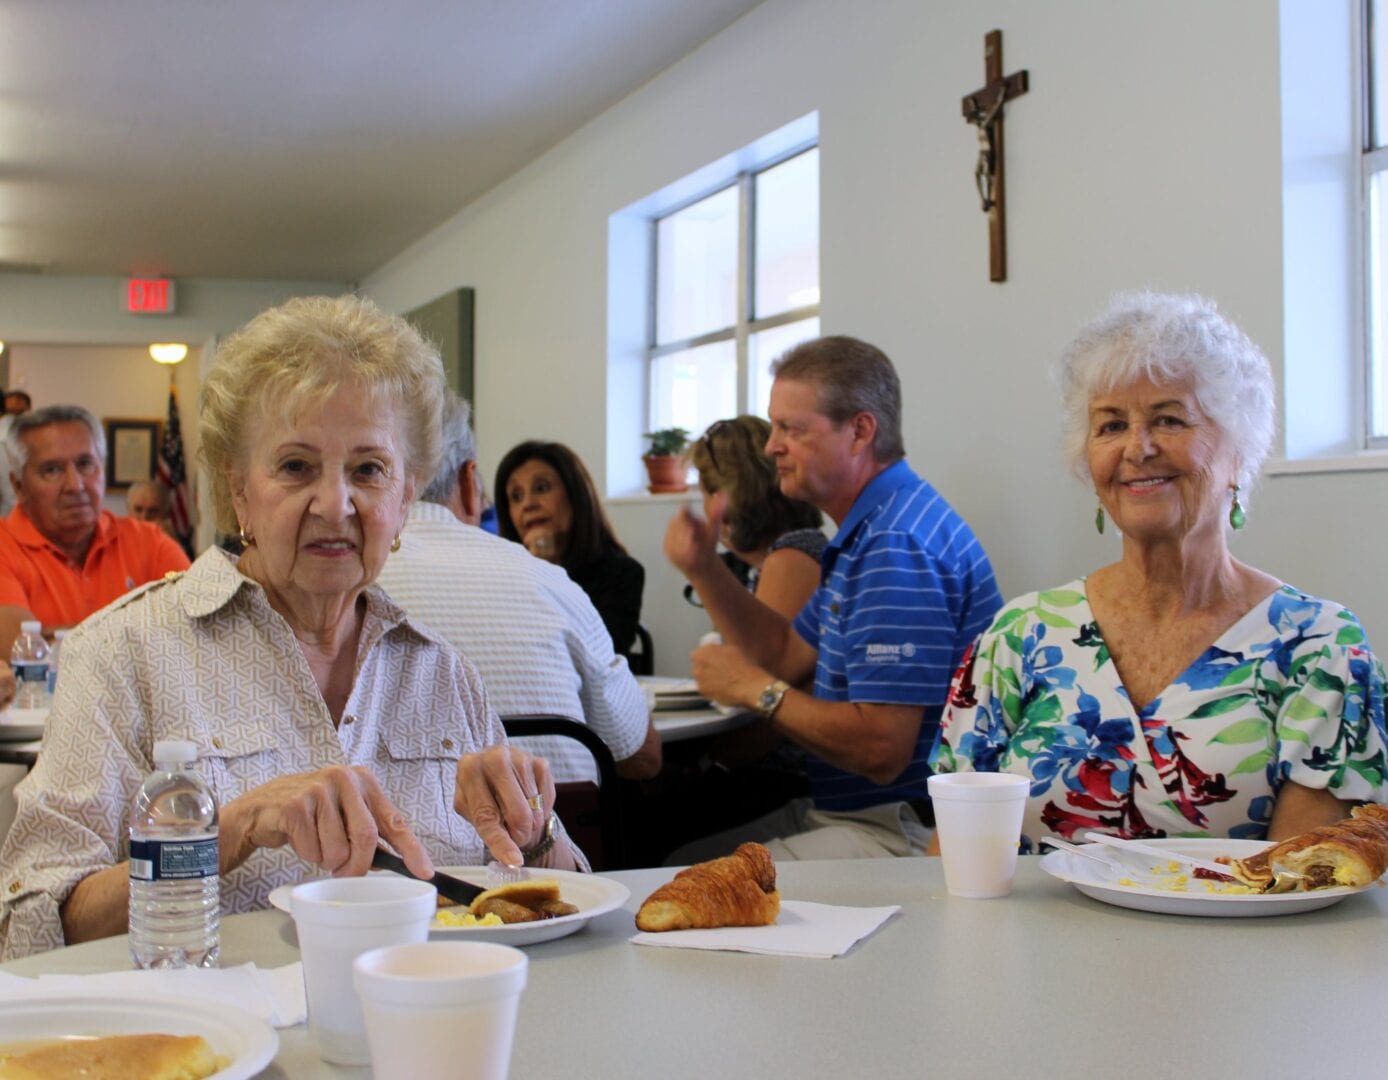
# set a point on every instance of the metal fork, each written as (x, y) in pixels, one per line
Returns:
(501, 874)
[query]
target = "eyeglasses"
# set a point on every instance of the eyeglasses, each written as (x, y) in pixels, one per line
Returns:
(715, 428)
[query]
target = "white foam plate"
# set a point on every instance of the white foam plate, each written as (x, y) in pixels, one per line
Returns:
(247, 1040)
(591, 894)
(1098, 881)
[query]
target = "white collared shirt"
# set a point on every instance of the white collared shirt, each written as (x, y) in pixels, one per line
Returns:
(533, 634)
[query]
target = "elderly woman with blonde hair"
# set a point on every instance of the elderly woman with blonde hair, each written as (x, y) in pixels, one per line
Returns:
(1177, 691)
(326, 721)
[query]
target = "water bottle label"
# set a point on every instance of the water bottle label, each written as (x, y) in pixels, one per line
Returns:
(30, 671)
(173, 860)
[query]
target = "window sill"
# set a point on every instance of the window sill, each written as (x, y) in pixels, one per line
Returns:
(639, 498)
(1364, 461)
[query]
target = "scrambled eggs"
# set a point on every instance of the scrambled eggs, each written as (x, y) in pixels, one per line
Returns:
(463, 917)
(1171, 879)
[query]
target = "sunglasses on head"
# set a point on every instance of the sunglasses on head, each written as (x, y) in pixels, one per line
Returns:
(716, 428)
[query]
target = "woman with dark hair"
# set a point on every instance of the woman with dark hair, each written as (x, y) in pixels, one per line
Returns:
(550, 505)
(777, 537)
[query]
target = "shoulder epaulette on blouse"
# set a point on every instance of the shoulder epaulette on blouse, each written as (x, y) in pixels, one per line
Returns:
(142, 590)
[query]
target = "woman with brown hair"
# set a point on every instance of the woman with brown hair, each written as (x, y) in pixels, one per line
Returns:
(777, 537)
(754, 768)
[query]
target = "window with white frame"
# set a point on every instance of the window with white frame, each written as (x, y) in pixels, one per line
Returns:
(1374, 162)
(735, 284)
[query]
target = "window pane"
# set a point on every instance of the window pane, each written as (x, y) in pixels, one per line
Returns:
(769, 345)
(787, 235)
(696, 268)
(694, 387)
(1378, 362)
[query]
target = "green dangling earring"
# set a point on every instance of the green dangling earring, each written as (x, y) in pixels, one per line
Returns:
(1237, 518)
(1099, 519)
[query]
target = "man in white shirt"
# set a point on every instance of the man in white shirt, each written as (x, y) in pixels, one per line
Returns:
(533, 634)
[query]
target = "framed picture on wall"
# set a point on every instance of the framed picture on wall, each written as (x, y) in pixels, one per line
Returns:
(132, 448)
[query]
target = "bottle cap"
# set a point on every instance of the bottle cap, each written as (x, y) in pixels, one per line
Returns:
(31, 626)
(175, 751)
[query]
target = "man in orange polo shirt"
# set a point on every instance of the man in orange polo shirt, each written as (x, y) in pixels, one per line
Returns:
(62, 556)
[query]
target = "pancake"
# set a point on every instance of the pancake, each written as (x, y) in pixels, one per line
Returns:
(116, 1057)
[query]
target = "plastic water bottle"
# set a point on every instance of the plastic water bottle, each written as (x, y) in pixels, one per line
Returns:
(53, 654)
(29, 658)
(175, 906)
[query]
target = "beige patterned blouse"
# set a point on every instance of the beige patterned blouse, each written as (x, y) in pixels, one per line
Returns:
(203, 656)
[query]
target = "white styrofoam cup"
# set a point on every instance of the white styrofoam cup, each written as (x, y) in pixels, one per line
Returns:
(442, 1008)
(338, 919)
(978, 817)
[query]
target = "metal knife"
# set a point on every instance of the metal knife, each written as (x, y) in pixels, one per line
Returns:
(455, 889)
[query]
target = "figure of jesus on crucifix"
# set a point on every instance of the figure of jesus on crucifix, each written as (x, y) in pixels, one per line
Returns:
(983, 108)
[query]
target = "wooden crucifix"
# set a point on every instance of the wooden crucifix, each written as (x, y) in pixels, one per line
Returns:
(983, 108)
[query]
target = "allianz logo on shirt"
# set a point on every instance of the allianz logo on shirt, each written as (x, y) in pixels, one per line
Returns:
(890, 654)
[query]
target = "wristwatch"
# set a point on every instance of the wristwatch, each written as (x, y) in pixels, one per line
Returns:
(545, 842)
(769, 700)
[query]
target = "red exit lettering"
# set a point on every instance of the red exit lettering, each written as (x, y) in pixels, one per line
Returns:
(149, 296)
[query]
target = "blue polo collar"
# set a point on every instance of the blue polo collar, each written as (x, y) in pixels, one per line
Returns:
(880, 488)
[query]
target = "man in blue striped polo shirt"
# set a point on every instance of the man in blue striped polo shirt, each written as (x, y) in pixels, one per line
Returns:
(905, 587)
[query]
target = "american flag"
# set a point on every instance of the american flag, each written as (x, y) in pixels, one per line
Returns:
(174, 476)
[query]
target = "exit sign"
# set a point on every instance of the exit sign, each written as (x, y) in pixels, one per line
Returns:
(149, 296)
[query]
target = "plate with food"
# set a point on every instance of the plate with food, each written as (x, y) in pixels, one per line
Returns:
(667, 694)
(519, 913)
(1313, 870)
(65, 1036)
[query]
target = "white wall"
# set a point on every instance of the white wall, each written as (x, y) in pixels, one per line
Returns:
(1146, 154)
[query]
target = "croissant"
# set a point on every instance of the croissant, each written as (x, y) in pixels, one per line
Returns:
(1353, 852)
(736, 890)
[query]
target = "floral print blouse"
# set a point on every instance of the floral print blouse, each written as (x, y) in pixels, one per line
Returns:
(1291, 691)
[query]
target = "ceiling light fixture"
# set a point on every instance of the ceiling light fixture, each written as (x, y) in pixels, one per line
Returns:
(168, 353)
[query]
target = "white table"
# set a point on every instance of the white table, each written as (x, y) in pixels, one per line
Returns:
(1043, 983)
(675, 725)
(21, 735)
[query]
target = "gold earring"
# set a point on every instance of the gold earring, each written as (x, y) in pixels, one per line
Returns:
(395, 544)
(246, 539)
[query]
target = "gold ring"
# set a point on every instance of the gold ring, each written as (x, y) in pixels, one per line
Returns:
(536, 801)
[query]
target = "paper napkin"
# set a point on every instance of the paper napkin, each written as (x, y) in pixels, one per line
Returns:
(801, 929)
(276, 995)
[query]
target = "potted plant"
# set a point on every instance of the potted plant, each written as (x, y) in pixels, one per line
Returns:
(665, 464)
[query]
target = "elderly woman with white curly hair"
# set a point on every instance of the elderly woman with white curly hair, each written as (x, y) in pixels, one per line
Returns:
(325, 720)
(1177, 691)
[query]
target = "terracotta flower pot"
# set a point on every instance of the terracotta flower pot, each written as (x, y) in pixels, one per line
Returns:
(667, 474)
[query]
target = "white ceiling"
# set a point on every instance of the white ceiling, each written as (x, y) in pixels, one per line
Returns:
(294, 139)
